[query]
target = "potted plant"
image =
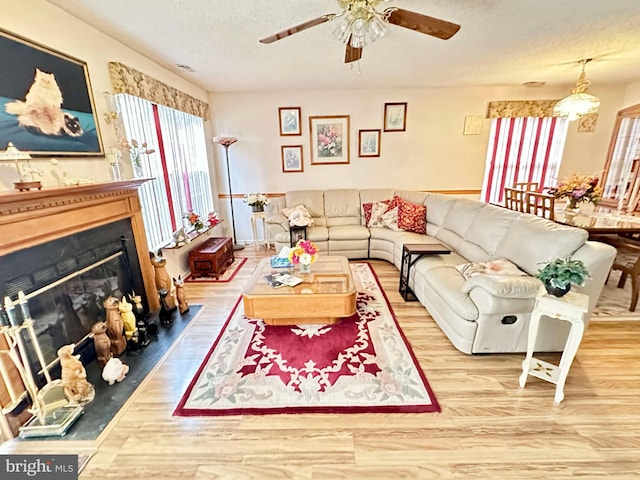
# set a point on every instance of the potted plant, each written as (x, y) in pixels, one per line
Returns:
(558, 275)
(256, 201)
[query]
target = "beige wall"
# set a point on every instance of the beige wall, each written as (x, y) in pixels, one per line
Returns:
(48, 25)
(432, 153)
(632, 94)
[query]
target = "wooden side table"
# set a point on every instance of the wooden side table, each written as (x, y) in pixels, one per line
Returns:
(411, 253)
(570, 308)
(255, 216)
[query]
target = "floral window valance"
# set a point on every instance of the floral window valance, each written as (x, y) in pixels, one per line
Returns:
(521, 108)
(129, 80)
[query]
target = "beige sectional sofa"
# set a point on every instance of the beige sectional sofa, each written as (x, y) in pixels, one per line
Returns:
(481, 314)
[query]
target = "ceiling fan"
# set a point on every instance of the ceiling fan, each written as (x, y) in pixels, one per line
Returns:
(361, 23)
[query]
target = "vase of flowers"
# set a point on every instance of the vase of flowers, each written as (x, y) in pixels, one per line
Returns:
(257, 201)
(136, 150)
(304, 254)
(194, 220)
(578, 189)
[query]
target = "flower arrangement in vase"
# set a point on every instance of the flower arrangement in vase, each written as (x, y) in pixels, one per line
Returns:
(136, 150)
(304, 254)
(194, 220)
(578, 189)
(257, 201)
(558, 275)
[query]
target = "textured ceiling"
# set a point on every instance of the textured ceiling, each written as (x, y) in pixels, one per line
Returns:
(501, 42)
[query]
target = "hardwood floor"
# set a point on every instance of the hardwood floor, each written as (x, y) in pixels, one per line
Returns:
(489, 428)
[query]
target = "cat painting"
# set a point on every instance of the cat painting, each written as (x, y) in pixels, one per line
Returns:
(40, 110)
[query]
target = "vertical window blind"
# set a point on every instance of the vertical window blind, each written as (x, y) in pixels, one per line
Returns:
(179, 166)
(524, 149)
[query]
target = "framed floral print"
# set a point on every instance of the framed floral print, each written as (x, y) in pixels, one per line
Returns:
(289, 121)
(395, 117)
(291, 158)
(46, 102)
(329, 139)
(369, 143)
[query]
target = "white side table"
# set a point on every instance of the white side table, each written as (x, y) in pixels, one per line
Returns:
(570, 308)
(255, 216)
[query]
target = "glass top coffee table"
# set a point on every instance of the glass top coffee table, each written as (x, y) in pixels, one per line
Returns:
(325, 296)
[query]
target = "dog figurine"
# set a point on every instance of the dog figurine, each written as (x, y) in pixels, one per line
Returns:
(114, 371)
(74, 377)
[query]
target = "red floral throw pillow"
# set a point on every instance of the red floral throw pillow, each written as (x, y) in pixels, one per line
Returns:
(411, 216)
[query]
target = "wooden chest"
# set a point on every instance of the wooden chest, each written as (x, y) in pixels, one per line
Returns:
(211, 258)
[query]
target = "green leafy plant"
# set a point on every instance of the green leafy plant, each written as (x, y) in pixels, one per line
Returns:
(563, 271)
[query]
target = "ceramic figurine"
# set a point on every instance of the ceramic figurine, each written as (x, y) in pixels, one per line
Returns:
(163, 280)
(166, 313)
(141, 323)
(115, 327)
(101, 343)
(183, 304)
(74, 377)
(180, 237)
(128, 318)
(114, 371)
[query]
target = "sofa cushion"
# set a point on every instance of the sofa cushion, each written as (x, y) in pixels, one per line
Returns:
(370, 195)
(412, 196)
(490, 226)
(438, 207)
(342, 206)
(348, 232)
(461, 215)
(447, 283)
(533, 241)
(412, 217)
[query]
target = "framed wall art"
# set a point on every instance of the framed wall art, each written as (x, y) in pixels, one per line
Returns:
(289, 121)
(473, 125)
(369, 143)
(292, 158)
(329, 139)
(46, 103)
(395, 117)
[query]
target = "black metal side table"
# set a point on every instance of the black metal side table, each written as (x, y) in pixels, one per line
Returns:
(296, 233)
(411, 253)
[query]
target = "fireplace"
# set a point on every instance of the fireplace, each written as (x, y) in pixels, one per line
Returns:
(66, 249)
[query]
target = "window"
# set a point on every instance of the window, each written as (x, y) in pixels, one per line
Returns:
(179, 166)
(524, 149)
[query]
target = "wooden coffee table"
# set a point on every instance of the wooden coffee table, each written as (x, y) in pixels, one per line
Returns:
(325, 296)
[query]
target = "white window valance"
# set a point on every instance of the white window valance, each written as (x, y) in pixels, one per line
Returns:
(129, 80)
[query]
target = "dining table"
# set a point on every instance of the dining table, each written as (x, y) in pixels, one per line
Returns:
(600, 221)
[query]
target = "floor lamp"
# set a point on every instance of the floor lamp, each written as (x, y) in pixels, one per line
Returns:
(226, 142)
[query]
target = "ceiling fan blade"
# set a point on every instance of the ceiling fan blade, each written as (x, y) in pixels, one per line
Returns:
(352, 54)
(298, 28)
(422, 23)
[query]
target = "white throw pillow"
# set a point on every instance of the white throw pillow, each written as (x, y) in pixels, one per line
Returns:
(378, 209)
(298, 216)
(501, 266)
(390, 219)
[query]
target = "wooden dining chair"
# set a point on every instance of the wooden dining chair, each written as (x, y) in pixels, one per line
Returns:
(628, 262)
(526, 186)
(540, 204)
(514, 199)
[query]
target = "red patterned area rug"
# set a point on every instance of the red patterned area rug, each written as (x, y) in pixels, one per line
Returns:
(226, 276)
(363, 364)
